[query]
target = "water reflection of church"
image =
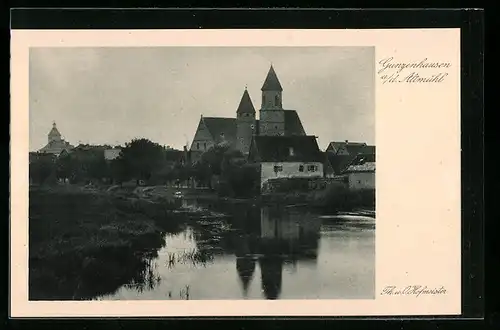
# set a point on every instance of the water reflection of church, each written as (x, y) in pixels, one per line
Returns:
(285, 237)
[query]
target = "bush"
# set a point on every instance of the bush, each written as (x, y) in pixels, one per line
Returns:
(43, 170)
(241, 181)
(338, 197)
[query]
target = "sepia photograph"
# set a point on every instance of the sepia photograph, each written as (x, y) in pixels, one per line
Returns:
(202, 173)
(235, 173)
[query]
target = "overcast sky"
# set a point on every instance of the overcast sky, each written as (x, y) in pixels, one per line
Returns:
(111, 95)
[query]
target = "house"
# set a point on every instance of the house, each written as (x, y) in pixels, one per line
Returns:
(339, 155)
(335, 165)
(56, 144)
(112, 153)
(237, 132)
(360, 173)
(286, 157)
(349, 148)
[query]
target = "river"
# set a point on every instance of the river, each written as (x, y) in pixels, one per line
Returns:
(267, 252)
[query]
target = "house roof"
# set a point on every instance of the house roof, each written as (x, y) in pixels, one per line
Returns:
(362, 163)
(339, 162)
(272, 82)
(246, 105)
(335, 145)
(88, 147)
(220, 126)
(277, 148)
(368, 150)
(353, 148)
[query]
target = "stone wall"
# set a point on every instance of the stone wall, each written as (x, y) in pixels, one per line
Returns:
(285, 185)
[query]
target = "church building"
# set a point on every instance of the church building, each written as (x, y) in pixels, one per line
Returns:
(56, 144)
(238, 132)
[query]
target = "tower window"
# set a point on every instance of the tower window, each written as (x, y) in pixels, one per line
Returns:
(205, 146)
(301, 168)
(277, 100)
(263, 99)
(197, 146)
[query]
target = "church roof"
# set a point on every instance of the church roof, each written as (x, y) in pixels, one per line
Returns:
(54, 130)
(246, 105)
(293, 125)
(272, 82)
(220, 127)
(277, 149)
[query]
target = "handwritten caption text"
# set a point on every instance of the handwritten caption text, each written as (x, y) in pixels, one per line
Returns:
(421, 71)
(412, 290)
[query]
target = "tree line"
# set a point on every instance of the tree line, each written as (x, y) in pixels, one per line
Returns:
(219, 168)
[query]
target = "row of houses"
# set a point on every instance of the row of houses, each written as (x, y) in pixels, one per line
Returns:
(277, 156)
(300, 157)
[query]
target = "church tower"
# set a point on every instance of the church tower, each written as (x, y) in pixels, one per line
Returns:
(245, 123)
(54, 135)
(272, 115)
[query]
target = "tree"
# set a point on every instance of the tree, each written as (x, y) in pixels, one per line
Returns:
(83, 165)
(243, 179)
(42, 168)
(141, 158)
(118, 170)
(97, 168)
(66, 167)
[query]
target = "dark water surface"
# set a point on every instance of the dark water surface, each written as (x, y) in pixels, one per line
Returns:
(267, 252)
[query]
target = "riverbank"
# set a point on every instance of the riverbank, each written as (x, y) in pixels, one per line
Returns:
(86, 242)
(331, 200)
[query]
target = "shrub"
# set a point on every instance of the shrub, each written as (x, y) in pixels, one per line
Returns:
(338, 197)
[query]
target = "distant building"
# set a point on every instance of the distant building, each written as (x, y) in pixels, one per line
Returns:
(361, 172)
(335, 165)
(349, 148)
(56, 144)
(112, 153)
(238, 132)
(286, 157)
(339, 155)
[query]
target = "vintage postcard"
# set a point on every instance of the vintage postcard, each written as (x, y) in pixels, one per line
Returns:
(235, 173)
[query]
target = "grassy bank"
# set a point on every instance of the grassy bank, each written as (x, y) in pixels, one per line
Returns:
(86, 243)
(337, 197)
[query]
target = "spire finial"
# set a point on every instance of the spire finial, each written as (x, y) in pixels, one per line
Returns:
(246, 86)
(53, 123)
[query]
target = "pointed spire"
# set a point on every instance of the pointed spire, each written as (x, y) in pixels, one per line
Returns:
(272, 82)
(246, 105)
(54, 131)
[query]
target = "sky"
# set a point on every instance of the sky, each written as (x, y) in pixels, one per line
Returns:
(112, 95)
